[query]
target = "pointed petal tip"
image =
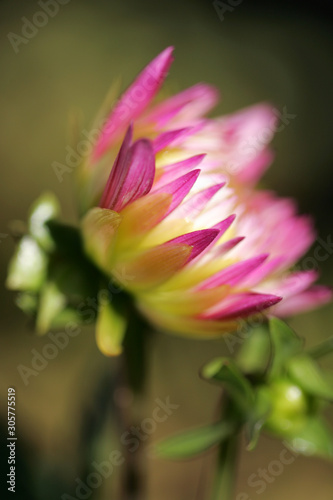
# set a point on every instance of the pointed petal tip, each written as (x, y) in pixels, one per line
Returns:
(243, 305)
(274, 299)
(167, 52)
(198, 158)
(171, 137)
(128, 137)
(235, 273)
(162, 62)
(225, 223)
(198, 240)
(129, 107)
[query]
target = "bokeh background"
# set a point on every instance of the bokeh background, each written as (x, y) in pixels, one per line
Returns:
(275, 51)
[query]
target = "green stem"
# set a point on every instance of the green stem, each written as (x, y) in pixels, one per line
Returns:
(322, 349)
(223, 488)
(134, 359)
(225, 474)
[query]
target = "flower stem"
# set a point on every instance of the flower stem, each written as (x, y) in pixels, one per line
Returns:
(134, 361)
(225, 474)
(223, 487)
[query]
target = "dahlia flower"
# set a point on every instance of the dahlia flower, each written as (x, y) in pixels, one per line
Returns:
(179, 222)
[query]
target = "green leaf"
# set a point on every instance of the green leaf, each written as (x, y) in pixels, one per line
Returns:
(45, 208)
(28, 266)
(52, 301)
(253, 357)
(306, 373)
(194, 442)
(285, 343)
(226, 372)
(313, 438)
(110, 330)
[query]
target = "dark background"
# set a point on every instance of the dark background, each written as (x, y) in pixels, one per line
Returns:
(262, 51)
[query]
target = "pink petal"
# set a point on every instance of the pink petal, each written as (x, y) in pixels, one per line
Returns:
(272, 225)
(179, 189)
(172, 172)
(117, 169)
(233, 274)
(171, 137)
(251, 172)
(134, 100)
(211, 216)
(295, 283)
(131, 177)
(193, 161)
(188, 105)
(255, 125)
(225, 224)
(199, 240)
(242, 305)
(192, 207)
(305, 301)
(296, 236)
(221, 228)
(264, 271)
(228, 245)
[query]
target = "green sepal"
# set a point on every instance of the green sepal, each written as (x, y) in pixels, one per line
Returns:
(69, 268)
(66, 315)
(27, 302)
(66, 238)
(257, 418)
(306, 373)
(76, 279)
(314, 438)
(52, 301)
(44, 209)
(28, 266)
(110, 330)
(254, 355)
(224, 371)
(285, 344)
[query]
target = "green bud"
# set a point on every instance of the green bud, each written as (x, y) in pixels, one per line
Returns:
(289, 406)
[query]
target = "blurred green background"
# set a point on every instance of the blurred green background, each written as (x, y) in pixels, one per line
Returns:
(261, 51)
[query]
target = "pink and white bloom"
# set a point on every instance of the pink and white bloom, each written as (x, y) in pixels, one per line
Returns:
(178, 127)
(179, 223)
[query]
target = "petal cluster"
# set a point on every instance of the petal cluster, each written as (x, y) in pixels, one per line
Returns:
(180, 223)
